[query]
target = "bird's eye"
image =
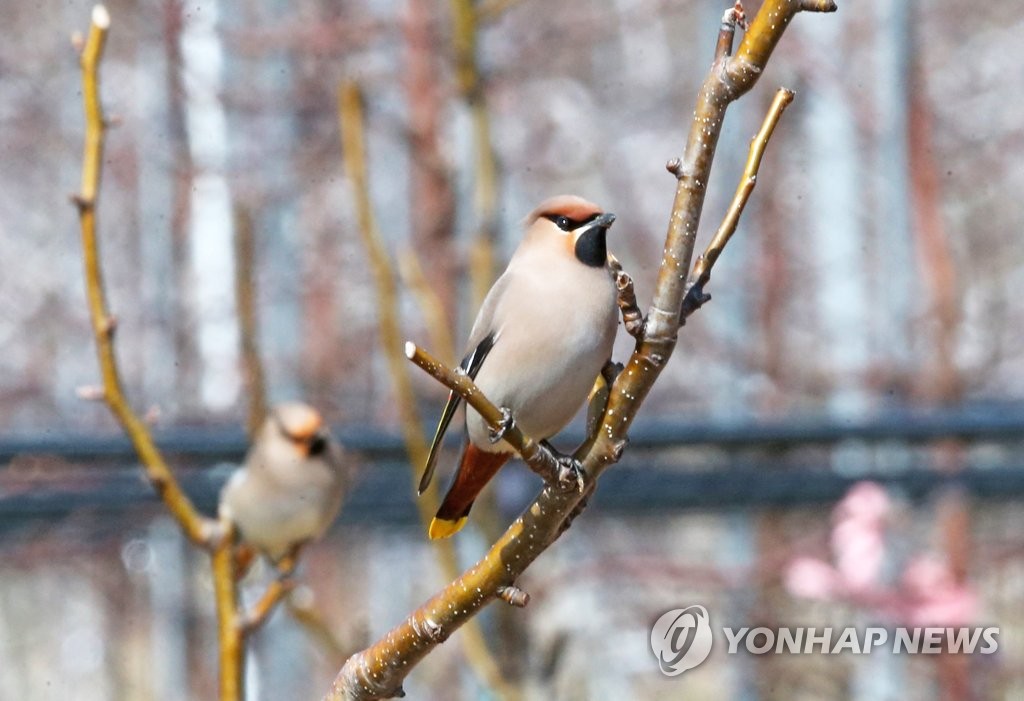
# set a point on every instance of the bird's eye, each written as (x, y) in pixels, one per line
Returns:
(562, 222)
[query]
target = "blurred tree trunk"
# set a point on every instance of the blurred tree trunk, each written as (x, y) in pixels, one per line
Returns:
(836, 222)
(894, 253)
(941, 382)
(326, 359)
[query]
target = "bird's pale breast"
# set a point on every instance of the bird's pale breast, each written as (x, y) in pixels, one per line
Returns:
(555, 332)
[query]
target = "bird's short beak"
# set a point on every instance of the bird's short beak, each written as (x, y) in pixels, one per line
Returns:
(602, 221)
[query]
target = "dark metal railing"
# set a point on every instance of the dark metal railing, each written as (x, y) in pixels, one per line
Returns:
(750, 468)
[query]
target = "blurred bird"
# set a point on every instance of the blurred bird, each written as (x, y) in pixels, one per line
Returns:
(290, 488)
(542, 335)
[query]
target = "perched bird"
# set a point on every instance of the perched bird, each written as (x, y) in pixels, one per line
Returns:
(542, 335)
(290, 488)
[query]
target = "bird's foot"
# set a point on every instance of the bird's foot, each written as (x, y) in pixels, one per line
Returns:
(506, 423)
(570, 472)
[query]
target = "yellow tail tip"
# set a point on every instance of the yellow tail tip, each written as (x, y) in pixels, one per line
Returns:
(442, 528)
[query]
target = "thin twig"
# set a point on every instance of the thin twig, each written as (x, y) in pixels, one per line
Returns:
(534, 454)
(701, 273)
(275, 592)
(465, 40)
(248, 325)
(230, 632)
(350, 109)
(199, 529)
(301, 607)
(378, 671)
(430, 304)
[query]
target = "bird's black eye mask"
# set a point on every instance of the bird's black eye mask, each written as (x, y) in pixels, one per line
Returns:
(567, 224)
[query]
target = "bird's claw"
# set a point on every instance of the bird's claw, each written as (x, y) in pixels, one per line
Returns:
(570, 473)
(495, 435)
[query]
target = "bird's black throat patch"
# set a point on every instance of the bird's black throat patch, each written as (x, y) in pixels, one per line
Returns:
(592, 248)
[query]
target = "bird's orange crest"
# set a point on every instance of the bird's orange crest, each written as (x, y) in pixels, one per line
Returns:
(571, 206)
(299, 421)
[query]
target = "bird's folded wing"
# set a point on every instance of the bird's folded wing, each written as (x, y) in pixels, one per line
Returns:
(471, 364)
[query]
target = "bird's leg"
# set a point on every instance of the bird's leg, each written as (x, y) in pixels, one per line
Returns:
(495, 435)
(570, 470)
(289, 561)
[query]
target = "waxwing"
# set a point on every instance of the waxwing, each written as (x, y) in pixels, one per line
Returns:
(290, 488)
(543, 333)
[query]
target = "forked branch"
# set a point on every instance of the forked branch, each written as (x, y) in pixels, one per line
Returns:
(701, 273)
(199, 529)
(214, 537)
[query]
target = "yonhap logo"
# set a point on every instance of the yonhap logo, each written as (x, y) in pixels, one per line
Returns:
(681, 639)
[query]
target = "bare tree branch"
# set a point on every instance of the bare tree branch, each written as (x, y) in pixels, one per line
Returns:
(536, 456)
(302, 607)
(275, 592)
(199, 529)
(230, 633)
(701, 273)
(491, 10)
(436, 321)
(217, 538)
(248, 326)
(465, 39)
(378, 671)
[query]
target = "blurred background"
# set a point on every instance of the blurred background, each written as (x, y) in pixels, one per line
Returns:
(837, 441)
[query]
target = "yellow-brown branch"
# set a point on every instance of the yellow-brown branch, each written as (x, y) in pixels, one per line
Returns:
(199, 529)
(248, 325)
(701, 273)
(275, 592)
(202, 531)
(465, 38)
(430, 304)
(230, 631)
(532, 453)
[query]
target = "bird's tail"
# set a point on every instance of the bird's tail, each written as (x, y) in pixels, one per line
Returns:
(476, 468)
